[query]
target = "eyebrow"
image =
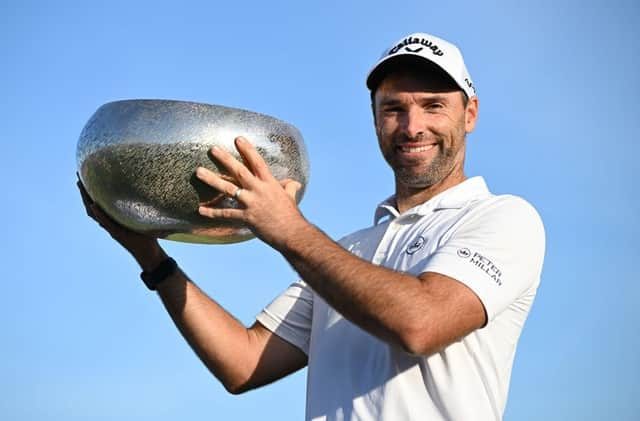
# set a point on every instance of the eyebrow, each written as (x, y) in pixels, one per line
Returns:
(390, 102)
(437, 97)
(386, 101)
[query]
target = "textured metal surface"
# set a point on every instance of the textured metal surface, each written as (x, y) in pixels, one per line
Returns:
(137, 160)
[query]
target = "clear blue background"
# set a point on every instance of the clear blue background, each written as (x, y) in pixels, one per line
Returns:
(558, 86)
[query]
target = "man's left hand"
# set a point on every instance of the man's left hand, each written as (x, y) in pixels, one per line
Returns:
(268, 206)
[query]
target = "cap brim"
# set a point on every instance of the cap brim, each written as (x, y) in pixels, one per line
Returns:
(406, 62)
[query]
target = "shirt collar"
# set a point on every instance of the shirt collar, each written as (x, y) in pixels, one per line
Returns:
(456, 197)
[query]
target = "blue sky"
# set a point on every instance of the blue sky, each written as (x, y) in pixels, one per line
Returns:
(557, 82)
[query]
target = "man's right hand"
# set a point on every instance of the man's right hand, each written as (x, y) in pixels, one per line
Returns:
(144, 249)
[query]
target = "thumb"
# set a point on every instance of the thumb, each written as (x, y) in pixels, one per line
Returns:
(292, 187)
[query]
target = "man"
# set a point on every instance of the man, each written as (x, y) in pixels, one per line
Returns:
(414, 318)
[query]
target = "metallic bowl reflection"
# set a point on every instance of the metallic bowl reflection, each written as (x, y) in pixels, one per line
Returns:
(137, 160)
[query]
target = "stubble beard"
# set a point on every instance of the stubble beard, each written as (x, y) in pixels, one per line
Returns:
(423, 176)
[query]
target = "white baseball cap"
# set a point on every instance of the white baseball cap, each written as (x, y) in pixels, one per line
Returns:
(420, 46)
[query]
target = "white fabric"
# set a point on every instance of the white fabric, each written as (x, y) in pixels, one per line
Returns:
(493, 244)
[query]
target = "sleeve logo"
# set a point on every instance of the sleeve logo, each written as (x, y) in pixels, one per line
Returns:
(482, 263)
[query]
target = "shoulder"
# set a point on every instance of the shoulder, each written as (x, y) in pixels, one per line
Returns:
(507, 223)
(500, 207)
(504, 209)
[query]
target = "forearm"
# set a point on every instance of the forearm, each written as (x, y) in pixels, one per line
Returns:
(375, 298)
(219, 340)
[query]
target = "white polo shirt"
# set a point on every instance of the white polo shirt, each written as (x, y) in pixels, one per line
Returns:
(492, 244)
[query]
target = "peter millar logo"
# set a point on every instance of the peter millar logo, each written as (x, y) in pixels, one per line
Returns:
(416, 245)
(482, 263)
(405, 43)
(464, 253)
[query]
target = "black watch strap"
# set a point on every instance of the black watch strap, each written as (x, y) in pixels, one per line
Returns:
(165, 269)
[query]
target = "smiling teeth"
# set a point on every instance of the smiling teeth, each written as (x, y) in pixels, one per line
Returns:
(415, 149)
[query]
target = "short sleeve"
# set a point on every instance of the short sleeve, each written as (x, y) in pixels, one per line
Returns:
(496, 250)
(289, 315)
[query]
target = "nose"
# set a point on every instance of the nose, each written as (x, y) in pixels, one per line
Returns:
(414, 123)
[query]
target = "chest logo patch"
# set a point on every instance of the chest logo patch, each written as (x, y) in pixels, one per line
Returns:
(416, 245)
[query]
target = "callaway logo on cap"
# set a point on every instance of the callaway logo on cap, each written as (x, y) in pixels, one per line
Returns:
(426, 47)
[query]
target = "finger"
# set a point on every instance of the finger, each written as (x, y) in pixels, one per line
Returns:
(235, 168)
(86, 200)
(217, 182)
(228, 213)
(93, 209)
(102, 218)
(96, 212)
(253, 159)
(292, 188)
(83, 192)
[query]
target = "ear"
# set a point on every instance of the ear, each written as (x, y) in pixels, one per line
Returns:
(471, 114)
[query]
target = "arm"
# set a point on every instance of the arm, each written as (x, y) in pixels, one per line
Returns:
(421, 314)
(240, 358)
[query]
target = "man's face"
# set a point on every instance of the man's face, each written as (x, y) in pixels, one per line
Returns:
(421, 123)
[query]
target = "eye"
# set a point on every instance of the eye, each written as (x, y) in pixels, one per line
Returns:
(392, 109)
(434, 106)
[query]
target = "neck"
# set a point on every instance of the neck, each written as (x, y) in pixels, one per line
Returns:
(407, 197)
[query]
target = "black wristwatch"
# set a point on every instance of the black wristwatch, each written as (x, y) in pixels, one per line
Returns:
(165, 269)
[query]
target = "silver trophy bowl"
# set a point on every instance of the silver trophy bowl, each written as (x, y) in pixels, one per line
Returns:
(137, 160)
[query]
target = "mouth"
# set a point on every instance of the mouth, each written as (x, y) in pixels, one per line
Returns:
(414, 149)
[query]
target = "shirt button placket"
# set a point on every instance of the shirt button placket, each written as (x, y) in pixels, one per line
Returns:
(383, 248)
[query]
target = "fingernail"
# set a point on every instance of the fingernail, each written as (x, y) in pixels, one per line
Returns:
(240, 139)
(200, 171)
